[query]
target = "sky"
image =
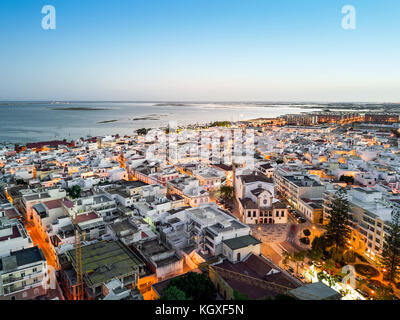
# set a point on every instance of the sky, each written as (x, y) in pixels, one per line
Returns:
(200, 50)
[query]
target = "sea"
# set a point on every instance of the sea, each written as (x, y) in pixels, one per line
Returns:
(33, 121)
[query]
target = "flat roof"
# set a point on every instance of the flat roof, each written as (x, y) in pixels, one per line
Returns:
(87, 217)
(106, 260)
(52, 204)
(21, 257)
(241, 242)
(315, 291)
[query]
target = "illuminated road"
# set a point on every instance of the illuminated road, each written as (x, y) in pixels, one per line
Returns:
(270, 253)
(46, 248)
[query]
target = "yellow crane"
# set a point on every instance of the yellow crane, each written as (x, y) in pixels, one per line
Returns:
(80, 294)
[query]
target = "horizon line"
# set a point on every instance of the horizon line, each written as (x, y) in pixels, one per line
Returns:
(202, 101)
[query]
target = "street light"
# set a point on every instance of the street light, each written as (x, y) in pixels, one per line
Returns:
(313, 228)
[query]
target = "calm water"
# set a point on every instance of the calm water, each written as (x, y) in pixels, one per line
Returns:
(29, 122)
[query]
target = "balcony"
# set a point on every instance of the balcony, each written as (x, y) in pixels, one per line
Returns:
(7, 280)
(11, 289)
(14, 288)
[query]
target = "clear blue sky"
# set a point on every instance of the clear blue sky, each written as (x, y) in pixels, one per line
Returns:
(287, 50)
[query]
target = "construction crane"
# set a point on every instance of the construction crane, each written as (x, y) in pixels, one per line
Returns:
(78, 262)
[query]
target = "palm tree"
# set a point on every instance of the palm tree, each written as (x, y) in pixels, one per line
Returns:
(299, 257)
(286, 257)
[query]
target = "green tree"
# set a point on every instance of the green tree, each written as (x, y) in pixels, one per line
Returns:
(315, 254)
(391, 249)
(347, 179)
(74, 192)
(173, 293)
(327, 277)
(286, 257)
(282, 296)
(384, 293)
(349, 257)
(338, 230)
(142, 131)
(329, 264)
(226, 192)
(195, 286)
(239, 296)
(299, 257)
(305, 240)
(221, 124)
(337, 254)
(320, 243)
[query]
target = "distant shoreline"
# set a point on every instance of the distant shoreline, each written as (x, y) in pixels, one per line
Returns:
(107, 121)
(79, 109)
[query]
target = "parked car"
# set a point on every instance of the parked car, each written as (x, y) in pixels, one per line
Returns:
(299, 276)
(302, 220)
(363, 293)
(371, 286)
(291, 270)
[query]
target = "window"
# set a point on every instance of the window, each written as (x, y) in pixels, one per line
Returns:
(249, 214)
(254, 213)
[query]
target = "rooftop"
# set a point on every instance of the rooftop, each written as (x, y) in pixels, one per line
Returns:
(259, 268)
(104, 261)
(86, 217)
(315, 291)
(20, 258)
(241, 242)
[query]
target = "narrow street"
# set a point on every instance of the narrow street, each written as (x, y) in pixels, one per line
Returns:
(45, 246)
